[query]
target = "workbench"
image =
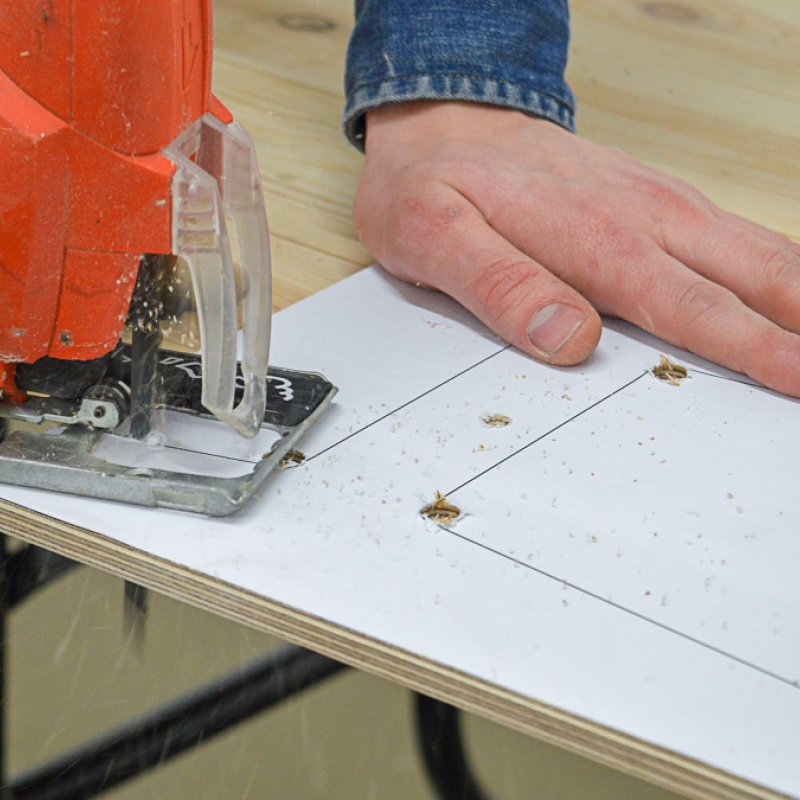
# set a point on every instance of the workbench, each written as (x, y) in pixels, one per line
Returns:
(707, 92)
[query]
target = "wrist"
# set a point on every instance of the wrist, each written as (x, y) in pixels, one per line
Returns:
(432, 121)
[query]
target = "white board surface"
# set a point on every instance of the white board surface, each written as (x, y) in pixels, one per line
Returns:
(629, 550)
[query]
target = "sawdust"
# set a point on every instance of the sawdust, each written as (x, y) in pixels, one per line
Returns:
(293, 458)
(496, 420)
(670, 371)
(441, 511)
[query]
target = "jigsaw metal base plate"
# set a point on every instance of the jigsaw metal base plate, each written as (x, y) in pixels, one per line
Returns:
(64, 461)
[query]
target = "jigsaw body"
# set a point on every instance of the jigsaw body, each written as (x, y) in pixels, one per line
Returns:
(88, 104)
(116, 163)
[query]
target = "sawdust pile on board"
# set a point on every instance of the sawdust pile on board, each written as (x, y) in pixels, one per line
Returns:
(293, 458)
(441, 510)
(670, 371)
(496, 420)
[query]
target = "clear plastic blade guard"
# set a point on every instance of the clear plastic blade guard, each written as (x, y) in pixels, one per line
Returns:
(217, 176)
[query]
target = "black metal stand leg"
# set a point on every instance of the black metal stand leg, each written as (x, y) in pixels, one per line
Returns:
(194, 718)
(442, 751)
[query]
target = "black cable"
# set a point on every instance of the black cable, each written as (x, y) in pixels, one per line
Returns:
(192, 719)
(442, 750)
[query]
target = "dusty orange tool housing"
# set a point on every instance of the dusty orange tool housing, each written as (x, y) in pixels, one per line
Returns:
(90, 93)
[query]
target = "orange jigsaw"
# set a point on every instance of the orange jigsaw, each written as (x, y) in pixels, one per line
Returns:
(90, 94)
(122, 179)
(109, 133)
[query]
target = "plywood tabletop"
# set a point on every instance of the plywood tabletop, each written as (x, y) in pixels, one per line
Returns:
(279, 67)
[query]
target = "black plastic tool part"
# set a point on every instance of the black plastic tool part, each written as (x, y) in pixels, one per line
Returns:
(291, 397)
(144, 318)
(56, 377)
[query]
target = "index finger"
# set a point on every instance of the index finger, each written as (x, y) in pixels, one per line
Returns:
(694, 313)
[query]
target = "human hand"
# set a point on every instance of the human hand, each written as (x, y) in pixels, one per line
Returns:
(535, 231)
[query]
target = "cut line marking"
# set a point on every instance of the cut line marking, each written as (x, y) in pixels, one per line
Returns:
(547, 433)
(408, 403)
(210, 455)
(619, 607)
(743, 381)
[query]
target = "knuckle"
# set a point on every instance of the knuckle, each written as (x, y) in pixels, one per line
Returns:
(702, 304)
(419, 215)
(608, 245)
(779, 269)
(640, 286)
(629, 250)
(676, 198)
(412, 216)
(601, 234)
(503, 286)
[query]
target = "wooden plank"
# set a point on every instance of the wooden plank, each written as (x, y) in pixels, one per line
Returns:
(708, 92)
(316, 271)
(302, 42)
(278, 66)
(332, 589)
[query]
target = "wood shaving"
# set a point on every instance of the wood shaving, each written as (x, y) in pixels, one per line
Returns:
(670, 371)
(441, 511)
(292, 459)
(496, 420)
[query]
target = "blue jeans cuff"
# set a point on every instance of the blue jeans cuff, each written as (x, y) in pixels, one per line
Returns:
(529, 100)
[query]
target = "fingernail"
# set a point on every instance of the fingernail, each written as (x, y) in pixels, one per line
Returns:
(553, 326)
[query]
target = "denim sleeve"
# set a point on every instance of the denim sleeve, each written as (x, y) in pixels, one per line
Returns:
(509, 53)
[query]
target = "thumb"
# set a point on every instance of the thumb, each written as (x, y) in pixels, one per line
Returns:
(514, 295)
